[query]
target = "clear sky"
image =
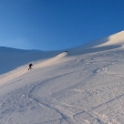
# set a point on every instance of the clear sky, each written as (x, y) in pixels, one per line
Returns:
(58, 24)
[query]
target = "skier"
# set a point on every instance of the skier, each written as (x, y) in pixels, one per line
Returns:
(30, 65)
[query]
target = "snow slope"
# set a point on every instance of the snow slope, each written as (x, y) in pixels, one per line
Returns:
(11, 58)
(74, 87)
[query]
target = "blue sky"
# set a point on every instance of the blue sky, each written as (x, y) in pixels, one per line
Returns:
(58, 24)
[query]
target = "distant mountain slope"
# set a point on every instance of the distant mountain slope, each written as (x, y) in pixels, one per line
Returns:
(11, 58)
(8, 49)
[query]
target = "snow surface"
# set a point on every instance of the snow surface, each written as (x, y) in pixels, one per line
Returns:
(82, 86)
(12, 58)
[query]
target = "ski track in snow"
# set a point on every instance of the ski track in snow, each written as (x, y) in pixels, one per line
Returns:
(87, 89)
(57, 105)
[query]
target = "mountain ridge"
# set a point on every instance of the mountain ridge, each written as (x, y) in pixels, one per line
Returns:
(115, 40)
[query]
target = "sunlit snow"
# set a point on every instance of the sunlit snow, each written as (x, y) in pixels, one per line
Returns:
(84, 85)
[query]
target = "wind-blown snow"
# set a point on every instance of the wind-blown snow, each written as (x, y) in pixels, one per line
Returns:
(75, 87)
(113, 41)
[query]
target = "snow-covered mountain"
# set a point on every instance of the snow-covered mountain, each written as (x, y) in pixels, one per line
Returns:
(110, 42)
(12, 58)
(81, 86)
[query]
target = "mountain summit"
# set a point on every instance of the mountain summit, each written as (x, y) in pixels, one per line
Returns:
(112, 41)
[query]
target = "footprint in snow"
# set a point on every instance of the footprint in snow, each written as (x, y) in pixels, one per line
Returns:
(100, 70)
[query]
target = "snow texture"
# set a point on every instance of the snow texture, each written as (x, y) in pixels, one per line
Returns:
(82, 86)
